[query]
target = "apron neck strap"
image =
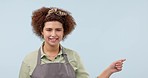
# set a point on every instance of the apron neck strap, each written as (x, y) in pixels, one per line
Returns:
(64, 55)
(39, 57)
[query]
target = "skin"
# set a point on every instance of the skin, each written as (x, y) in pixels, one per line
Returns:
(114, 67)
(52, 33)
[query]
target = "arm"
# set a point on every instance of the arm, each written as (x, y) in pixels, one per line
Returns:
(114, 67)
(81, 71)
(24, 71)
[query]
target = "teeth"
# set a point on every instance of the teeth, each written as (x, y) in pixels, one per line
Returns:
(52, 39)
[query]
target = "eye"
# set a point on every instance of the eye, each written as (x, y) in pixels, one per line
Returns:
(48, 29)
(58, 29)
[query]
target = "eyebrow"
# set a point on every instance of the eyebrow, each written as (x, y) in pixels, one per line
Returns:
(52, 28)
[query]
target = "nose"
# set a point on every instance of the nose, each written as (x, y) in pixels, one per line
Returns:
(53, 33)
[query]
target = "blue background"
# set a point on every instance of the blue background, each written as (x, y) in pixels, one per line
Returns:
(107, 30)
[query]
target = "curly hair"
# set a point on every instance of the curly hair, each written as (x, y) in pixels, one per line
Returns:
(44, 14)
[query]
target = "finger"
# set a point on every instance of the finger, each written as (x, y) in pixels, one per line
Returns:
(122, 60)
(118, 64)
(118, 67)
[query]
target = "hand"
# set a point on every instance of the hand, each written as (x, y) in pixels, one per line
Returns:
(116, 66)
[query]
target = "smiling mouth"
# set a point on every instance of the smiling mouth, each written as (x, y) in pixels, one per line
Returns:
(53, 39)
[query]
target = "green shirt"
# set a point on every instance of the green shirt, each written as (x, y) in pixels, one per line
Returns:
(30, 61)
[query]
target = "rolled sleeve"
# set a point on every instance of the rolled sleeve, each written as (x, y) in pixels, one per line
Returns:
(81, 71)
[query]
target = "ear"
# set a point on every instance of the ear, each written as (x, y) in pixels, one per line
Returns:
(42, 33)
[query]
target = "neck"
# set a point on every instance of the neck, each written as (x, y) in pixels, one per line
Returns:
(51, 49)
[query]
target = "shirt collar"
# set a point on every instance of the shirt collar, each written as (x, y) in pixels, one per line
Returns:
(43, 54)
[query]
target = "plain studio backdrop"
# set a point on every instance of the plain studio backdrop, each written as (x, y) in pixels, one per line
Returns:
(107, 30)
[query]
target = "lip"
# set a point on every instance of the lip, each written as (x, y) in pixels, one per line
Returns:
(53, 39)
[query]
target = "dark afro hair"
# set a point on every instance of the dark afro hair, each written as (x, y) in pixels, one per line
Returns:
(40, 16)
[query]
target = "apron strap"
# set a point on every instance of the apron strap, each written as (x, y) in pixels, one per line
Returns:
(39, 57)
(64, 55)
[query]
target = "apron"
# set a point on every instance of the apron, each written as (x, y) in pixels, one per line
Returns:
(53, 70)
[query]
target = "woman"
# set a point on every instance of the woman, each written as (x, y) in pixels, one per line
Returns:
(52, 60)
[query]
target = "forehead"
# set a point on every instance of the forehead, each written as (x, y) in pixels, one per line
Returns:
(53, 24)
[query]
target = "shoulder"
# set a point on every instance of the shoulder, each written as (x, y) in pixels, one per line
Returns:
(71, 53)
(31, 57)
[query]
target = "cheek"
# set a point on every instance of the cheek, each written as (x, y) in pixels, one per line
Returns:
(61, 35)
(44, 35)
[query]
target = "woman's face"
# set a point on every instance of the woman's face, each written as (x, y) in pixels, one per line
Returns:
(53, 33)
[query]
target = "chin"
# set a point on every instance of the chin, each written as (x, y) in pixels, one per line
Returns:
(54, 44)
